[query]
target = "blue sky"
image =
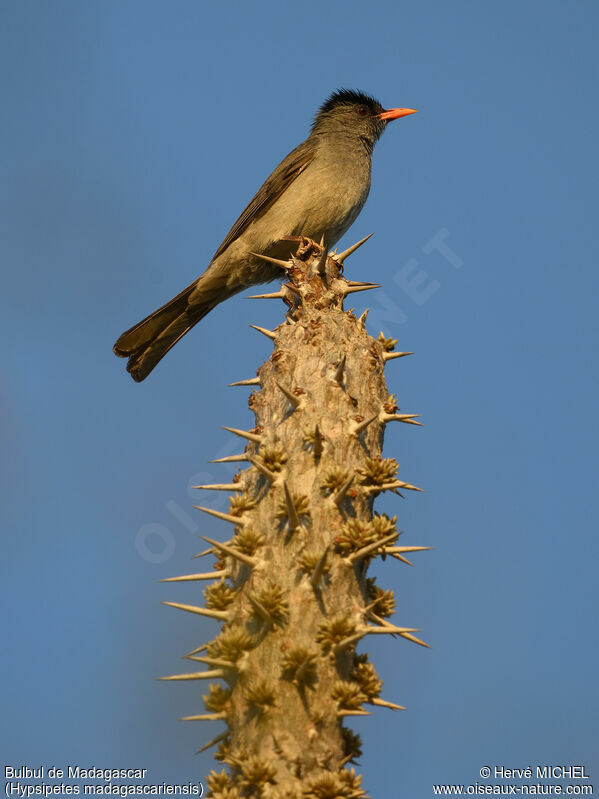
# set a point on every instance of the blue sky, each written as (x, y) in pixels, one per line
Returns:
(133, 133)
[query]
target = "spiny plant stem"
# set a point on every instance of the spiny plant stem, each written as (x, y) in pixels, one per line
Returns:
(294, 598)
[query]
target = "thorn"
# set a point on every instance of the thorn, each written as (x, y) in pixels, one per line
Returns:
(268, 333)
(301, 670)
(342, 713)
(340, 369)
(190, 577)
(292, 516)
(243, 434)
(276, 295)
(394, 550)
(221, 615)
(389, 629)
(362, 318)
(415, 640)
(346, 253)
(340, 495)
(403, 632)
(203, 554)
(401, 558)
(352, 639)
(408, 418)
(319, 568)
(321, 265)
(407, 486)
(225, 517)
(360, 283)
(361, 553)
(354, 289)
(371, 489)
(390, 356)
(225, 664)
(322, 240)
(231, 458)
(234, 553)
(317, 443)
(384, 703)
(270, 475)
(253, 381)
(262, 612)
(213, 742)
(205, 717)
(198, 649)
(221, 487)
(360, 427)
(283, 264)
(295, 401)
(198, 675)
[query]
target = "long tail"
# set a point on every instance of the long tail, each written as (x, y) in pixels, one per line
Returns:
(148, 341)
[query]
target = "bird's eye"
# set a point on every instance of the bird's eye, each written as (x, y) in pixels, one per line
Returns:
(362, 110)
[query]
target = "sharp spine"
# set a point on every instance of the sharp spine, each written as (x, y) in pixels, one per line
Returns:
(225, 517)
(355, 289)
(283, 264)
(243, 456)
(319, 569)
(407, 418)
(234, 553)
(389, 629)
(317, 443)
(268, 473)
(242, 434)
(361, 426)
(196, 650)
(205, 717)
(252, 381)
(221, 615)
(403, 632)
(371, 489)
(276, 295)
(292, 516)
(321, 265)
(340, 369)
(362, 318)
(383, 703)
(295, 401)
(342, 713)
(213, 742)
(223, 664)
(191, 577)
(340, 495)
(221, 487)
(262, 612)
(268, 333)
(214, 674)
(350, 250)
(361, 553)
(400, 558)
(391, 356)
(351, 639)
(203, 554)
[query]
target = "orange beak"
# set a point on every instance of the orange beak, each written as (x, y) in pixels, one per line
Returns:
(396, 113)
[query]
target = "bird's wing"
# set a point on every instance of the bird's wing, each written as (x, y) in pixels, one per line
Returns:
(272, 188)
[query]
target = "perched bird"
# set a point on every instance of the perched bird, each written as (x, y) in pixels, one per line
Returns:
(317, 191)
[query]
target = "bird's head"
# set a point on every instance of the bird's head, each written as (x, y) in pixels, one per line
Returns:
(351, 112)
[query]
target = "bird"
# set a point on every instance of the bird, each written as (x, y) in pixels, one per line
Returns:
(317, 191)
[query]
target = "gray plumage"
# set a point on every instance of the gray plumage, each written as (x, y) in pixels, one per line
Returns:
(317, 191)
